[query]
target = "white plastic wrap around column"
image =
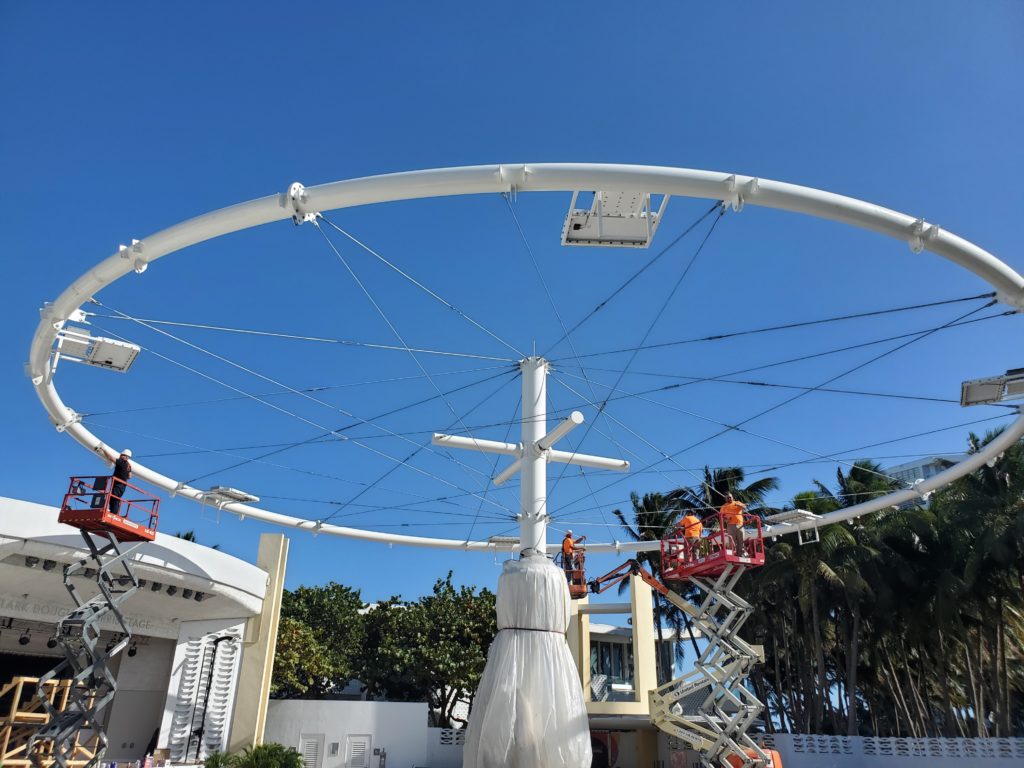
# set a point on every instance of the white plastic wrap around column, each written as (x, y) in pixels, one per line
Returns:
(529, 710)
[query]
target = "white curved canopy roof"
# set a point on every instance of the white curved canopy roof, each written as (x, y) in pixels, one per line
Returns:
(231, 588)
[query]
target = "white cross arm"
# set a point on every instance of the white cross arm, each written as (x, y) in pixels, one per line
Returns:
(474, 444)
(586, 460)
(543, 445)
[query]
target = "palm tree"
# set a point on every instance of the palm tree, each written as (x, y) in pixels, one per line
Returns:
(709, 496)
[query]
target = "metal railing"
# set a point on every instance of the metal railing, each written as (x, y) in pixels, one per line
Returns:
(105, 497)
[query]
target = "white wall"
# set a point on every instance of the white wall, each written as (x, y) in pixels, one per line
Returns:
(398, 728)
(141, 691)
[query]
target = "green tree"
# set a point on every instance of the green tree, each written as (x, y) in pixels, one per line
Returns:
(332, 614)
(707, 497)
(431, 650)
(301, 663)
(904, 622)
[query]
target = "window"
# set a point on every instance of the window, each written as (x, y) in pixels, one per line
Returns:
(612, 660)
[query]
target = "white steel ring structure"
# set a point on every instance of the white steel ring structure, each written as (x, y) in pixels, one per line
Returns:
(298, 201)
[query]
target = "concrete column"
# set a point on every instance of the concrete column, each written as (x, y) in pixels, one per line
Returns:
(250, 714)
(579, 642)
(645, 677)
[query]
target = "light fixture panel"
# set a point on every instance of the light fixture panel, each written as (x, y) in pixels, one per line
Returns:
(79, 345)
(615, 219)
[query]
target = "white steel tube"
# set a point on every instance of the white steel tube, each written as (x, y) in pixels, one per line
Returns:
(533, 486)
(586, 460)
(510, 470)
(474, 444)
(569, 423)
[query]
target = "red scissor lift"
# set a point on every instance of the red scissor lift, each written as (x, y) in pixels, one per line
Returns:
(710, 707)
(108, 511)
(92, 504)
(711, 555)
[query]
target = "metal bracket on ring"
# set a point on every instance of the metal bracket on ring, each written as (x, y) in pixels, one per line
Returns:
(294, 201)
(916, 488)
(739, 191)
(61, 426)
(134, 252)
(514, 176)
(922, 232)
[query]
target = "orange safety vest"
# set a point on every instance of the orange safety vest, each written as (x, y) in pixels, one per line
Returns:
(733, 513)
(692, 527)
(567, 546)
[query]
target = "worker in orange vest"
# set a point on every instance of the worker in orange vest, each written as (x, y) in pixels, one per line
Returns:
(569, 551)
(692, 530)
(732, 517)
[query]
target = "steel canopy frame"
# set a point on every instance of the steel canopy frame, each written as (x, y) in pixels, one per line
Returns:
(300, 202)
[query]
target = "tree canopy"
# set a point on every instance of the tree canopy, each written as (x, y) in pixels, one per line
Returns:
(907, 622)
(432, 649)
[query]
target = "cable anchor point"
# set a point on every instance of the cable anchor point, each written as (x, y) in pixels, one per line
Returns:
(739, 191)
(513, 177)
(294, 201)
(921, 232)
(61, 426)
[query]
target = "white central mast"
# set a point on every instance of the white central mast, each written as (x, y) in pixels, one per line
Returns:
(533, 488)
(533, 454)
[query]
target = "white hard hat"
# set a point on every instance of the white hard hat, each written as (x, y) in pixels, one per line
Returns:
(127, 452)
(568, 533)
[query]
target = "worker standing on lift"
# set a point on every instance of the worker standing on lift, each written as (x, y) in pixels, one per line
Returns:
(732, 517)
(692, 530)
(569, 552)
(122, 473)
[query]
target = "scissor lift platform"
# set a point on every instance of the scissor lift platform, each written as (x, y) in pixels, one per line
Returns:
(94, 503)
(682, 558)
(575, 574)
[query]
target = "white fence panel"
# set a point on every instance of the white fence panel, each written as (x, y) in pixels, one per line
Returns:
(444, 747)
(811, 751)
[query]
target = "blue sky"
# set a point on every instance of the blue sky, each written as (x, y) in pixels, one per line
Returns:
(122, 119)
